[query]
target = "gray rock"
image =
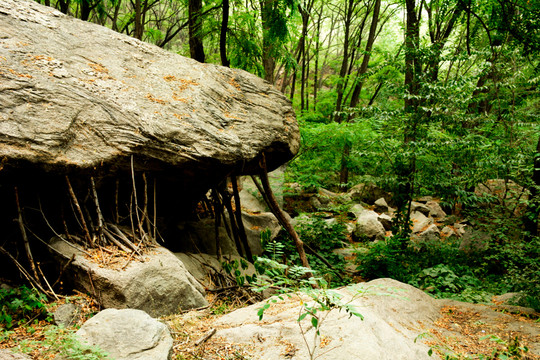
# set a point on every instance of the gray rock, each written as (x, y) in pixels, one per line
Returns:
(420, 221)
(7, 354)
(435, 210)
(67, 314)
(161, 285)
(460, 229)
(448, 232)
(432, 233)
(328, 197)
(506, 193)
(367, 193)
(73, 102)
(251, 200)
(474, 240)
(204, 266)
(394, 315)
(368, 225)
(128, 335)
(254, 224)
(508, 298)
(416, 206)
(316, 203)
(424, 199)
(356, 210)
(386, 221)
(381, 206)
(200, 236)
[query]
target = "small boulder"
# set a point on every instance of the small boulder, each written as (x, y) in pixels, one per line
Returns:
(356, 210)
(7, 354)
(67, 314)
(420, 222)
(416, 206)
(424, 199)
(367, 193)
(159, 285)
(474, 241)
(368, 226)
(255, 224)
(128, 334)
(448, 232)
(432, 233)
(386, 221)
(435, 210)
(381, 206)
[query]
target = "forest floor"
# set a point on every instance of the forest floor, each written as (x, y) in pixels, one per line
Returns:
(465, 331)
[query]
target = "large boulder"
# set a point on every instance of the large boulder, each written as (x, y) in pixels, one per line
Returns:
(506, 193)
(79, 99)
(79, 94)
(368, 226)
(395, 314)
(128, 335)
(420, 222)
(367, 193)
(159, 284)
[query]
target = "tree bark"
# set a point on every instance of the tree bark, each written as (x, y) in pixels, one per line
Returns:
(223, 34)
(274, 206)
(196, 48)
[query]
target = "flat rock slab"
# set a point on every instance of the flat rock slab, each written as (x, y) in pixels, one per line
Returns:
(128, 335)
(76, 94)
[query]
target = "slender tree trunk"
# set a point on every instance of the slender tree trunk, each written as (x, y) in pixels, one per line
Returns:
(223, 34)
(340, 88)
(138, 20)
(196, 48)
(316, 70)
(355, 97)
(274, 206)
(269, 63)
(406, 165)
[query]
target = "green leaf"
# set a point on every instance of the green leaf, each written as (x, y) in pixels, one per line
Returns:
(314, 322)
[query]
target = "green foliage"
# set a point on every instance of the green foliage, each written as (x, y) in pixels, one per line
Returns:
(64, 343)
(506, 350)
(20, 305)
(237, 269)
(319, 303)
(321, 237)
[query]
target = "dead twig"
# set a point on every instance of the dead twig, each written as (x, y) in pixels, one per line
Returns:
(206, 337)
(100, 218)
(79, 211)
(25, 238)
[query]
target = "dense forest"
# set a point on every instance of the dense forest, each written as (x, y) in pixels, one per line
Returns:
(419, 97)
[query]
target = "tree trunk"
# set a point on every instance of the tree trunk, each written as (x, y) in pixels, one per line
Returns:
(138, 20)
(196, 48)
(223, 34)
(273, 204)
(355, 98)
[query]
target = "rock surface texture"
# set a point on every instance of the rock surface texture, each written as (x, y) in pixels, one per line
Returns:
(161, 285)
(394, 315)
(75, 93)
(128, 335)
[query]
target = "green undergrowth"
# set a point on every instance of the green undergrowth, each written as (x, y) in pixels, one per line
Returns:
(443, 270)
